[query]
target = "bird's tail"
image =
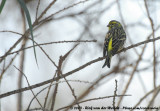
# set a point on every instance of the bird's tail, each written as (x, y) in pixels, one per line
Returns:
(107, 62)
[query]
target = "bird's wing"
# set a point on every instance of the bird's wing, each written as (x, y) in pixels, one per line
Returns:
(119, 38)
(106, 41)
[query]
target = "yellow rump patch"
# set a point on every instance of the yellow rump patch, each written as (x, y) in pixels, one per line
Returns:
(110, 45)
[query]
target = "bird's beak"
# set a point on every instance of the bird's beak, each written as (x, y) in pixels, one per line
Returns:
(108, 25)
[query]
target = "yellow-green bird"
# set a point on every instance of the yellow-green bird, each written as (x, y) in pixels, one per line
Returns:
(114, 41)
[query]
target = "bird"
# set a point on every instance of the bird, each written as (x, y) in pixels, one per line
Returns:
(114, 41)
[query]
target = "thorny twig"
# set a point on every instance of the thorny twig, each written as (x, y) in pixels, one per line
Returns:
(50, 43)
(115, 94)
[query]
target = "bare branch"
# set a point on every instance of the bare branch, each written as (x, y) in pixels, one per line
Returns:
(12, 32)
(28, 85)
(55, 84)
(5, 69)
(91, 100)
(146, 95)
(73, 71)
(154, 47)
(50, 16)
(115, 94)
(49, 43)
(37, 8)
(47, 8)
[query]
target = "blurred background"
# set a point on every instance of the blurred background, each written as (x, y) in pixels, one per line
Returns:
(136, 70)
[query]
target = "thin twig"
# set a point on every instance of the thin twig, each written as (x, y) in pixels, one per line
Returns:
(28, 85)
(15, 44)
(22, 58)
(45, 53)
(140, 43)
(85, 93)
(37, 8)
(115, 94)
(154, 47)
(154, 97)
(121, 16)
(50, 16)
(5, 69)
(56, 87)
(132, 74)
(72, 90)
(54, 96)
(92, 100)
(52, 85)
(12, 32)
(49, 88)
(146, 95)
(50, 43)
(129, 47)
(46, 9)
(59, 72)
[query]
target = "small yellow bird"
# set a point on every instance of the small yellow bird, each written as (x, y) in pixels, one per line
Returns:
(114, 41)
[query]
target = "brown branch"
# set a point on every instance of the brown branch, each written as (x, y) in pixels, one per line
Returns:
(22, 58)
(72, 90)
(86, 92)
(5, 69)
(73, 71)
(140, 43)
(52, 85)
(56, 87)
(49, 43)
(12, 32)
(49, 88)
(121, 16)
(28, 85)
(84, 11)
(93, 99)
(45, 53)
(50, 16)
(153, 98)
(26, 34)
(132, 75)
(46, 9)
(135, 68)
(115, 94)
(146, 95)
(37, 8)
(154, 47)
(59, 72)
(20, 76)
(38, 23)
(54, 96)
(15, 44)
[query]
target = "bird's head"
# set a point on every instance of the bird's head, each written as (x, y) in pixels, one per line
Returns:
(114, 24)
